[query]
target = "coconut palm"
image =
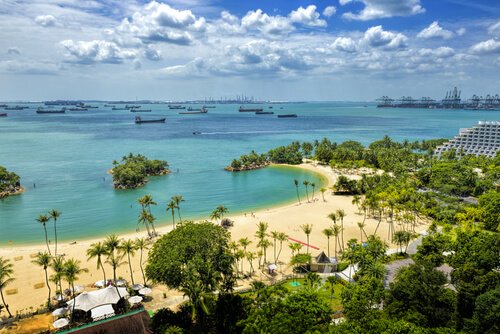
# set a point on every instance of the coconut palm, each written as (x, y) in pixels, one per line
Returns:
(244, 242)
(328, 233)
(296, 183)
(274, 235)
(281, 238)
(336, 232)
(128, 247)
(141, 245)
(6, 278)
(144, 219)
(146, 201)
(306, 184)
(54, 214)
(98, 250)
(250, 257)
(71, 271)
(112, 244)
(307, 229)
(264, 245)
(43, 219)
(218, 212)
(294, 247)
(43, 260)
(356, 200)
(171, 206)
(57, 265)
(333, 217)
(341, 215)
(313, 185)
(323, 190)
(361, 226)
(115, 261)
(177, 200)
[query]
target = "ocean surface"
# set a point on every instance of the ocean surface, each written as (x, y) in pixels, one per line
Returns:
(62, 159)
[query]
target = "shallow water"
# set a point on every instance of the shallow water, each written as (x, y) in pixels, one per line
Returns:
(66, 156)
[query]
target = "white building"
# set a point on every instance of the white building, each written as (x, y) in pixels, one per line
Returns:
(482, 139)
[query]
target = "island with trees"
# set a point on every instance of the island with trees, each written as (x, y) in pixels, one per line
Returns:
(10, 183)
(290, 154)
(133, 171)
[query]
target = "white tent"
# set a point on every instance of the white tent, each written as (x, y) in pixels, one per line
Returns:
(104, 311)
(121, 282)
(59, 311)
(63, 322)
(100, 284)
(85, 301)
(89, 300)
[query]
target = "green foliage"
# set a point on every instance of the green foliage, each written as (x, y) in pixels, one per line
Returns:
(133, 171)
(489, 204)
(432, 248)
(417, 295)
(486, 318)
(9, 181)
(361, 300)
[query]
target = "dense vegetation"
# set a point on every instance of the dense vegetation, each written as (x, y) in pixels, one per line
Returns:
(10, 182)
(291, 154)
(133, 171)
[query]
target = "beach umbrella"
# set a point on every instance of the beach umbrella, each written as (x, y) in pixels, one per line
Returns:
(120, 282)
(136, 287)
(85, 301)
(59, 297)
(109, 295)
(59, 311)
(79, 289)
(100, 284)
(63, 322)
(145, 291)
(135, 300)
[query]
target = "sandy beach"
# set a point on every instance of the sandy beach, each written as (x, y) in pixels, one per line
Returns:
(28, 292)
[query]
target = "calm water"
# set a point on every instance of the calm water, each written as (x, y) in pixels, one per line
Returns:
(67, 156)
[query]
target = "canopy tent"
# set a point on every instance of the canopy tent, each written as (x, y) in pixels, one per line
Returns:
(63, 322)
(103, 311)
(89, 300)
(100, 284)
(135, 300)
(85, 301)
(59, 311)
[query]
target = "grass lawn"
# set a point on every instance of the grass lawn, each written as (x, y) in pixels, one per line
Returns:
(324, 292)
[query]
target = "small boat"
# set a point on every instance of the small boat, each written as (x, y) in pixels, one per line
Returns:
(264, 112)
(209, 106)
(270, 107)
(3, 105)
(287, 116)
(115, 108)
(139, 120)
(140, 110)
(44, 111)
(196, 133)
(242, 109)
(15, 108)
(175, 106)
(109, 105)
(132, 106)
(77, 109)
(192, 111)
(4, 114)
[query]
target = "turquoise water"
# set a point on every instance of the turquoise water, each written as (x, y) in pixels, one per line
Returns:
(67, 156)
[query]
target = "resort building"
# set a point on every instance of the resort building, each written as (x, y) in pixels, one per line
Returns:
(482, 139)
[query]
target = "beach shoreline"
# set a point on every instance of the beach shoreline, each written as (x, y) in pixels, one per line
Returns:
(286, 218)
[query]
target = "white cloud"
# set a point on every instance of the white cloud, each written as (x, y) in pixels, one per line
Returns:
(152, 54)
(435, 31)
(487, 47)
(329, 11)
(308, 17)
(441, 52)
(377, 9)
(378, 37)
(461, 31)
(344, 2)
(345, 44)
(46, 20)
(13, 51)
(97, 51)
(272, 25)
(494, 29)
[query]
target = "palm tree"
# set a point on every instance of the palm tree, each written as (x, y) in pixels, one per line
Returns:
(43, 260)
(147, 201)
(281, 238)
(333, 217)
(307, 229)
(323, 190)
(264, 244)
(306, 184)
(296, 183)
(71, 271)
(361, 226)
(295, 247)
(328, 233)
(356, 200)
(177, 200)
(244, 242)
(141, 244)
(336, 232)
(144, 218)
(54, 214)
(43, 219)
(274, 235)
(313, 185)
(6, 272)
(171, 206)
(98, 250)
(57, 266)
(112, 243)
(128, 247)
(250, 257)
(341, 215)
(218, 212)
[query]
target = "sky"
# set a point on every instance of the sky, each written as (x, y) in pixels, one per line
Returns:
(286, 50)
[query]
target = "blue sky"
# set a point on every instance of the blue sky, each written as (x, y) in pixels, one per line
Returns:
(276, 50)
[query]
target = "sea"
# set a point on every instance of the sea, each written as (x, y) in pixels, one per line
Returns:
(63, 159)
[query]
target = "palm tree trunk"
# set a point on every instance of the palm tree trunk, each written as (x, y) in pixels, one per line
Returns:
(342, 232)
(6, 306)
(274, 251)
(279, 252)
(375, 232)
(328, 246)
(55, 235)
(142, 270)
(46, 239)
(74, 303)
(130, 267)
(48, 286)
(179, 214)
(173, 218)
(103, 274)
(297, 188)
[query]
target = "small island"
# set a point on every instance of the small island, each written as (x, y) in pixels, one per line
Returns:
(290, 154)
(133, 171)
(10, 183)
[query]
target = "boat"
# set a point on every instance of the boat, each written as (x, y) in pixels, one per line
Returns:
(140, 110)
(44, 111)
(4, 114)
(287, 116)
(15, 108)
(139, 120)
(209, 106)
(175, 106)
(115, 108)
(264, 112)
(132, 106)
(192, 111)
(3, 105)
(109, 105)
(242, 109)
(196, 133)
(77, 109)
